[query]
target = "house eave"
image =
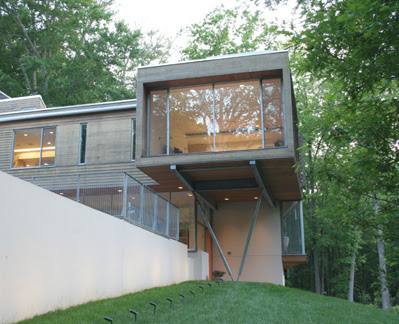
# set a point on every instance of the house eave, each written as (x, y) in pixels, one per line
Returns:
(63, 111)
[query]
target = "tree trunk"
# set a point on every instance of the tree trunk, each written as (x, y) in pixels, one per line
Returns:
(322, 281)
(316, 271)
(381, 259)
(352, 274)
(315, 250)
(355, 248)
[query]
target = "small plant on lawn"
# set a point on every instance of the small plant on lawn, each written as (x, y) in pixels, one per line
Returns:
(217, 274)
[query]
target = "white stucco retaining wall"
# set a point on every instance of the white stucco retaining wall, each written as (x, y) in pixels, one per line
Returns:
(55, 253)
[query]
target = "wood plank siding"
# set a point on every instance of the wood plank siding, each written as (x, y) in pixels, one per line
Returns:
(292, 260)
(108, 146)
(18, 104)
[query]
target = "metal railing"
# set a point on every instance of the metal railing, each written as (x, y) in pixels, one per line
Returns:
(292, 231)
(119, 195)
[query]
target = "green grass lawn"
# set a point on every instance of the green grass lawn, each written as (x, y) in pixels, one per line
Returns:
(231, 302)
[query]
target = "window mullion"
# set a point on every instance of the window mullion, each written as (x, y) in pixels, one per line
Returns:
(167, 121)
(41, 147)
(214, 118)
(133, 144)
(262, 114)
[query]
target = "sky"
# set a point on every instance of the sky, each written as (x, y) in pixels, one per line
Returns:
(170, 16)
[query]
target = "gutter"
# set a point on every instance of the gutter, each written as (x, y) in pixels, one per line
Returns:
(60, 112)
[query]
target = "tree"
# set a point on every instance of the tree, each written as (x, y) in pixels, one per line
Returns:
(67, 51)
(350, 45)
(228, 31)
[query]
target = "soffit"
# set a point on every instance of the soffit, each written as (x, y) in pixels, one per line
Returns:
(222, 180)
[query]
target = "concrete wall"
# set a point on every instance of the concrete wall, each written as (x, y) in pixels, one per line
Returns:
(231, 224)
(55, 253)
(200, 266)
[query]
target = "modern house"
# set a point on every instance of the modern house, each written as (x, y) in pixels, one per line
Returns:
(216, 138)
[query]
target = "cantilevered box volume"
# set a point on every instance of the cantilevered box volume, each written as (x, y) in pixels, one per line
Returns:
(224, 131)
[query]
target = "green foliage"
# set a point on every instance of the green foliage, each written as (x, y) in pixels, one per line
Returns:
(347, 94)
(69, 51)
(229, 31)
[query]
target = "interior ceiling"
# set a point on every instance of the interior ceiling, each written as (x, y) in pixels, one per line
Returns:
(230, 181)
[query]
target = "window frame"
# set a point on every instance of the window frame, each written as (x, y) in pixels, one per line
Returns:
(41, 148)
(80, 144)
(212, 83)
(133, 142)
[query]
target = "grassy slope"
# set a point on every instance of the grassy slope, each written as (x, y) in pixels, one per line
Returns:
(232, 302)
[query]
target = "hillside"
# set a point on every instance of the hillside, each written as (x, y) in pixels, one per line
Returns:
(231, 302)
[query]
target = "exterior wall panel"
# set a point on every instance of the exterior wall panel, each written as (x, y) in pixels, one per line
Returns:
(17, 104)
(108, 145)
(231, 223)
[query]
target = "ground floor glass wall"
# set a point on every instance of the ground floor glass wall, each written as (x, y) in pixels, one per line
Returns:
(192, 228)
(292, 228)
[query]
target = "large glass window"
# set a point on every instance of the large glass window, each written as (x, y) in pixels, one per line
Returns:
(238, 121)
(34, 147)
(215, 117)
(186, 204)
(272, 112)
(191, 119)
(292, 228)
(82, 143)
(158, 122)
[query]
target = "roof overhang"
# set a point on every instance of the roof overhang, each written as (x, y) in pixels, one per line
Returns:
(68, 111)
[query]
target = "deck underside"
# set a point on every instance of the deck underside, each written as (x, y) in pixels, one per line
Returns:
(234, 180)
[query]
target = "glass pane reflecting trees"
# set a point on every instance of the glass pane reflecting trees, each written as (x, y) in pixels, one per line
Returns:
(238, 124)
(191, 119)
(273, 113)
(216, 117)
(158, 122)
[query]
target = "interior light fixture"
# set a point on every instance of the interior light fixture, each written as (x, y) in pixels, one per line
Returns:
(226, 198)
(25, 134)
(48, 142)
(180, 188)
(119, 190)
(256, 197)
(51, 132)
(242, 86)
(28, 165)
(61, 193)
(190, 194)
(35, 149)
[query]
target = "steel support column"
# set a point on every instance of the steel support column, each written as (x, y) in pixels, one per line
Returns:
(250, 234)
(262, 184)
(124, 199)
(187, 182)
(208, 225)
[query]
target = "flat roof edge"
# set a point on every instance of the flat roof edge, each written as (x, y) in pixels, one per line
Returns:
(58, 112)
(96, 104)
(22, 98)
(215, 58)
(6, 96)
